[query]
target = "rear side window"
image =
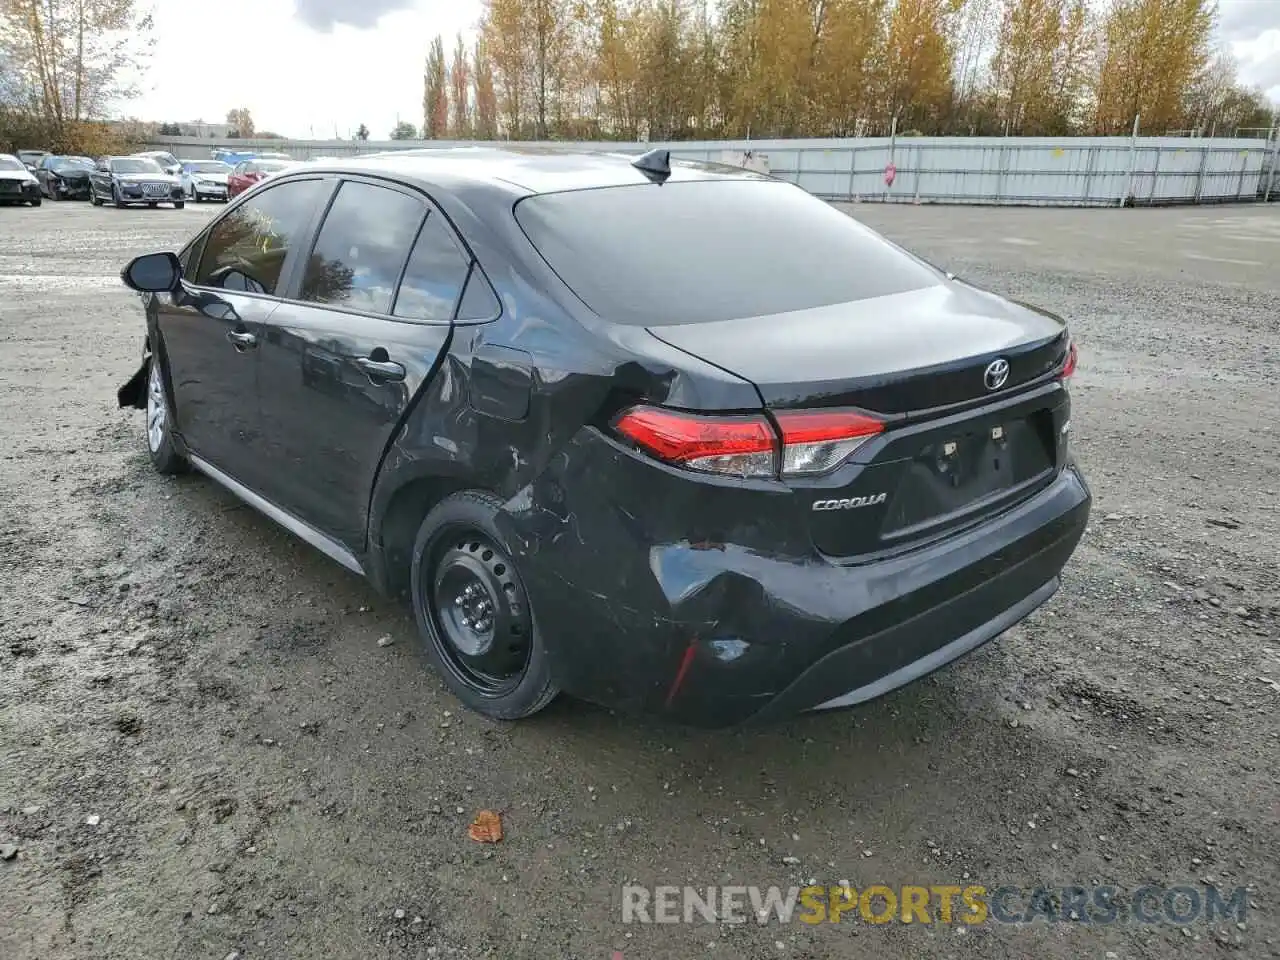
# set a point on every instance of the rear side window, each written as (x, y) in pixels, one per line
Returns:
(700, 251)
(247, 248)
(361, 248)
(433, 280)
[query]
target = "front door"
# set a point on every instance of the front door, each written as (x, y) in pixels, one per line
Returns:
(211, 329)
(340, 368)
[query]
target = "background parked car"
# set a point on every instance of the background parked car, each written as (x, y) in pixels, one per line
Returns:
(31, 158)
(65, 178)
(249, 172)
(168, 162)
(126, 180)
(205, 179)
(17, 183)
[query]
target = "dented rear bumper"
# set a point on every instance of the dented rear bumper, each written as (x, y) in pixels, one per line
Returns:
(698, 610)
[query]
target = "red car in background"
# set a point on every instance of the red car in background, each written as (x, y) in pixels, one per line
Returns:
(248, 172)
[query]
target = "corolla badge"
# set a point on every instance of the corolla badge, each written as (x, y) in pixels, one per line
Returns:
(996, 374)
(850, 503)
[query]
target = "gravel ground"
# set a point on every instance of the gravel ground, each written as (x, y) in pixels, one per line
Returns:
(205, 752)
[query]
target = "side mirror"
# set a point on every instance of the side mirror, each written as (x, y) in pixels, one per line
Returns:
(152, 273)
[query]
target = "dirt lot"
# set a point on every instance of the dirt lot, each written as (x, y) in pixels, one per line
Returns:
(205, 751)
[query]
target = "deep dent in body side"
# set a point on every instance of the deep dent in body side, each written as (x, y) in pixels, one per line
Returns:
(507, 400)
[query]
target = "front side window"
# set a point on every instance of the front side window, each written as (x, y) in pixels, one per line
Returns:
(362, 247)
(11, 163)
(434, 277)
(247, 248)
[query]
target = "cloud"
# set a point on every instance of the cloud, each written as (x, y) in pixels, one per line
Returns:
(323, 15)
(1247, 19)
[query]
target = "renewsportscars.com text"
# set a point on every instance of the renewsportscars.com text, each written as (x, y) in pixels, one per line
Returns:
(970, 904)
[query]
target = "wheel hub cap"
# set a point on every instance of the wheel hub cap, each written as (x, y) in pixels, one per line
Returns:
(156, 408)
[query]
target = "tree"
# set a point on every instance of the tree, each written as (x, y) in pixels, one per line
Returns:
(68, 61)
(486, 125)
(917, 69)
(460, 90)
(362, 132)
(1153, 51)
(404, 131)
(240, 121)
(435, 98)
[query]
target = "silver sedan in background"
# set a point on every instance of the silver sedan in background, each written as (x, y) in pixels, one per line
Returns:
(205, 179)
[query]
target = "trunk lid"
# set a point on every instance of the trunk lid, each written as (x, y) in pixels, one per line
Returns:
(954, 449)
(899, 354)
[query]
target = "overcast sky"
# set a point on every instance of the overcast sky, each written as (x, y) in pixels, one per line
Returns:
(306, 68)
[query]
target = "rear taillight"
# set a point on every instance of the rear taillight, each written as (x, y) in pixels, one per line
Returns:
(816, 441)
(1069, 365)
(812, 441)
(741, 446)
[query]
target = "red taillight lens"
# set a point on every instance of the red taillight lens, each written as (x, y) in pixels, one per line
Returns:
(740, 446)
(812, 442)
(1069, 365)
(816, 441)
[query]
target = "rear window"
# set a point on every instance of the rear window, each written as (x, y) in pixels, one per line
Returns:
(700, 251)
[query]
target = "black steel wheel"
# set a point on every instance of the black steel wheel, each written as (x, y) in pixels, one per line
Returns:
(474, 613)
(480, 611)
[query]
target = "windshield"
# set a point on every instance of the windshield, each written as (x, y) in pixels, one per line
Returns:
(11, 163)
(70, 163)
(207, 166)
(700, 251)
(135, 165)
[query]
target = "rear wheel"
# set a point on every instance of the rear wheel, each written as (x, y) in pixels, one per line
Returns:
(474, 616)
(164, 457)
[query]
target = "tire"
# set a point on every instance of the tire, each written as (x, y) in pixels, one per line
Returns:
(164, 457)
(179, 204)
(35, 201)
(459, 549)
(115, 198)
(94, 198)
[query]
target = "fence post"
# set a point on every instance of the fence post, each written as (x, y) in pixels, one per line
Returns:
(1204, 160)
(893, 144)
(1133, 159)
(853, 171)
(919, 163)
(1275, 156)
(1155, 176)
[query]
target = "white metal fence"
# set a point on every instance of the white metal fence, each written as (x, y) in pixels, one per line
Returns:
(1061, 171)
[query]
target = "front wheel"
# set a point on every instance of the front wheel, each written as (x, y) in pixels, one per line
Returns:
(164, 457)
(474, 616)
(179, 204)
(35, 201)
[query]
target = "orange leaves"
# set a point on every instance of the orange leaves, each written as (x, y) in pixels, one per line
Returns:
(486, 827)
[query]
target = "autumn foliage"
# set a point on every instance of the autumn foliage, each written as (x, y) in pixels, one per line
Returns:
(692, 69)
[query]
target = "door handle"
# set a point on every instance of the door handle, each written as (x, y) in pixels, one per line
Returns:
(380, 369)
(243, 341)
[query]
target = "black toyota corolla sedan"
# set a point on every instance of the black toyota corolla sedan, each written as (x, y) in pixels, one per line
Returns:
(669, 437)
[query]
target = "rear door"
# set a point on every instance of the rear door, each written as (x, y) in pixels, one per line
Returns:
(211, 331)
(367, 318)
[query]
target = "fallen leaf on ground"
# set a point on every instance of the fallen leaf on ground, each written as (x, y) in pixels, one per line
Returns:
(486, 827)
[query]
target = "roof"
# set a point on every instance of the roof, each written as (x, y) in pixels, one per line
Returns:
(529, 169)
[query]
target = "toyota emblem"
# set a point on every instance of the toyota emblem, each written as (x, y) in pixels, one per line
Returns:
(996, 374)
